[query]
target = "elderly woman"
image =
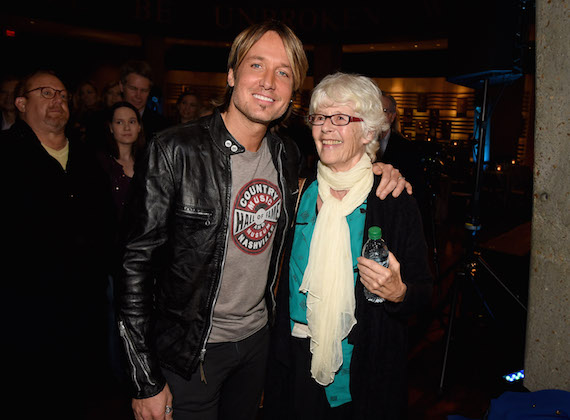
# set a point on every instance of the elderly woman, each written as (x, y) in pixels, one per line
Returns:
(335, 354)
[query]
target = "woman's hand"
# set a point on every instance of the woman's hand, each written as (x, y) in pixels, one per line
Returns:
(392, 180)
(384, 282)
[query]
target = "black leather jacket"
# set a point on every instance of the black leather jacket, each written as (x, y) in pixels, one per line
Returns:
(175, 248)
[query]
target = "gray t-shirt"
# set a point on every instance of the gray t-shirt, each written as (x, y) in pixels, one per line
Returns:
(240, 309)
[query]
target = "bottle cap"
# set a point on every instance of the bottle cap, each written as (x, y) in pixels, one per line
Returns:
(374, 232)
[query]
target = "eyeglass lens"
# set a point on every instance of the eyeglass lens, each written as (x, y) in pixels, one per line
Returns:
(336, 119)
(49, 93)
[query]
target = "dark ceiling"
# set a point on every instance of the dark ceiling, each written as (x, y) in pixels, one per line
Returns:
(352, 23)
(47, 32)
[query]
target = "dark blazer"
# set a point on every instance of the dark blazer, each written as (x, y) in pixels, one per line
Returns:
(403, 154)
(153, 122)
(61, 220)
(57, 227)
(378, 368)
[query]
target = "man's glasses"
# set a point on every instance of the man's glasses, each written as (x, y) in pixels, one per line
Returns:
(49, 93)
(336, 119)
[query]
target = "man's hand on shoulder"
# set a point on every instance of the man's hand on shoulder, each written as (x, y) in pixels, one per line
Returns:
(392, 181)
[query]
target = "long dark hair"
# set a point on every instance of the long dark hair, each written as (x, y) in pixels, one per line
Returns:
(138, 145)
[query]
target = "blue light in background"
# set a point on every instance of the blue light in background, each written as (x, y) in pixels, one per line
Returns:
(515, 376)
(477, 133)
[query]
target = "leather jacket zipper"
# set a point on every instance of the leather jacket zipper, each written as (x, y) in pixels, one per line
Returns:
(132, 354)
(205, 341)
(201, 214)
(283, 187)
(202, 373)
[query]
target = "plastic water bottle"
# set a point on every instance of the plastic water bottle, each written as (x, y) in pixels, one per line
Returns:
(375, 249)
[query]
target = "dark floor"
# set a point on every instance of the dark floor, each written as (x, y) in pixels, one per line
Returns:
(487, 339)
(488, 329)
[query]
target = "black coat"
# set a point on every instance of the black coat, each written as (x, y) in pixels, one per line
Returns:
(404, 155)
(153, 122)
(56, 227)
(378, 379)
(59, 222)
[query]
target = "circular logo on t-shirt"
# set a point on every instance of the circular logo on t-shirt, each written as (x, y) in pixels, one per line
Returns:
(256, 211)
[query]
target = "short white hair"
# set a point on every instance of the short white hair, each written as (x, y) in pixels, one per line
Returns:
(359, 92)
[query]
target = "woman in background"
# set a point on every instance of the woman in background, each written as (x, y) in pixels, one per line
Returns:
(125, 140)
(111, 94)
(188, 106)
(86, 105)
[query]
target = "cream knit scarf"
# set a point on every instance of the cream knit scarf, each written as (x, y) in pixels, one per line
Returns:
(329, 278)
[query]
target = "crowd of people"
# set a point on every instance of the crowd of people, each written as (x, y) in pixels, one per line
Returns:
(191, 261)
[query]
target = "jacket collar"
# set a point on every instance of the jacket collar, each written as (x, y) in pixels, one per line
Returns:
(21, 129)
(222, 137)
(226, 142)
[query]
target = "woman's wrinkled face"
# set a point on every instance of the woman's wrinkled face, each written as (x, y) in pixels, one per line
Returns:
(340, 147)
(125, 126)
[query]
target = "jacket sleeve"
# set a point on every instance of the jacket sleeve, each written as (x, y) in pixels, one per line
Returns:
(407, 242)
(148, 212)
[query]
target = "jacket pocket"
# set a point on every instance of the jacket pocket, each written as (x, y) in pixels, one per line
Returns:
(194, 216)
(193, 229)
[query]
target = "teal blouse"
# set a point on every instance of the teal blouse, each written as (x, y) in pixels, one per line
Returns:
(338, 392)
